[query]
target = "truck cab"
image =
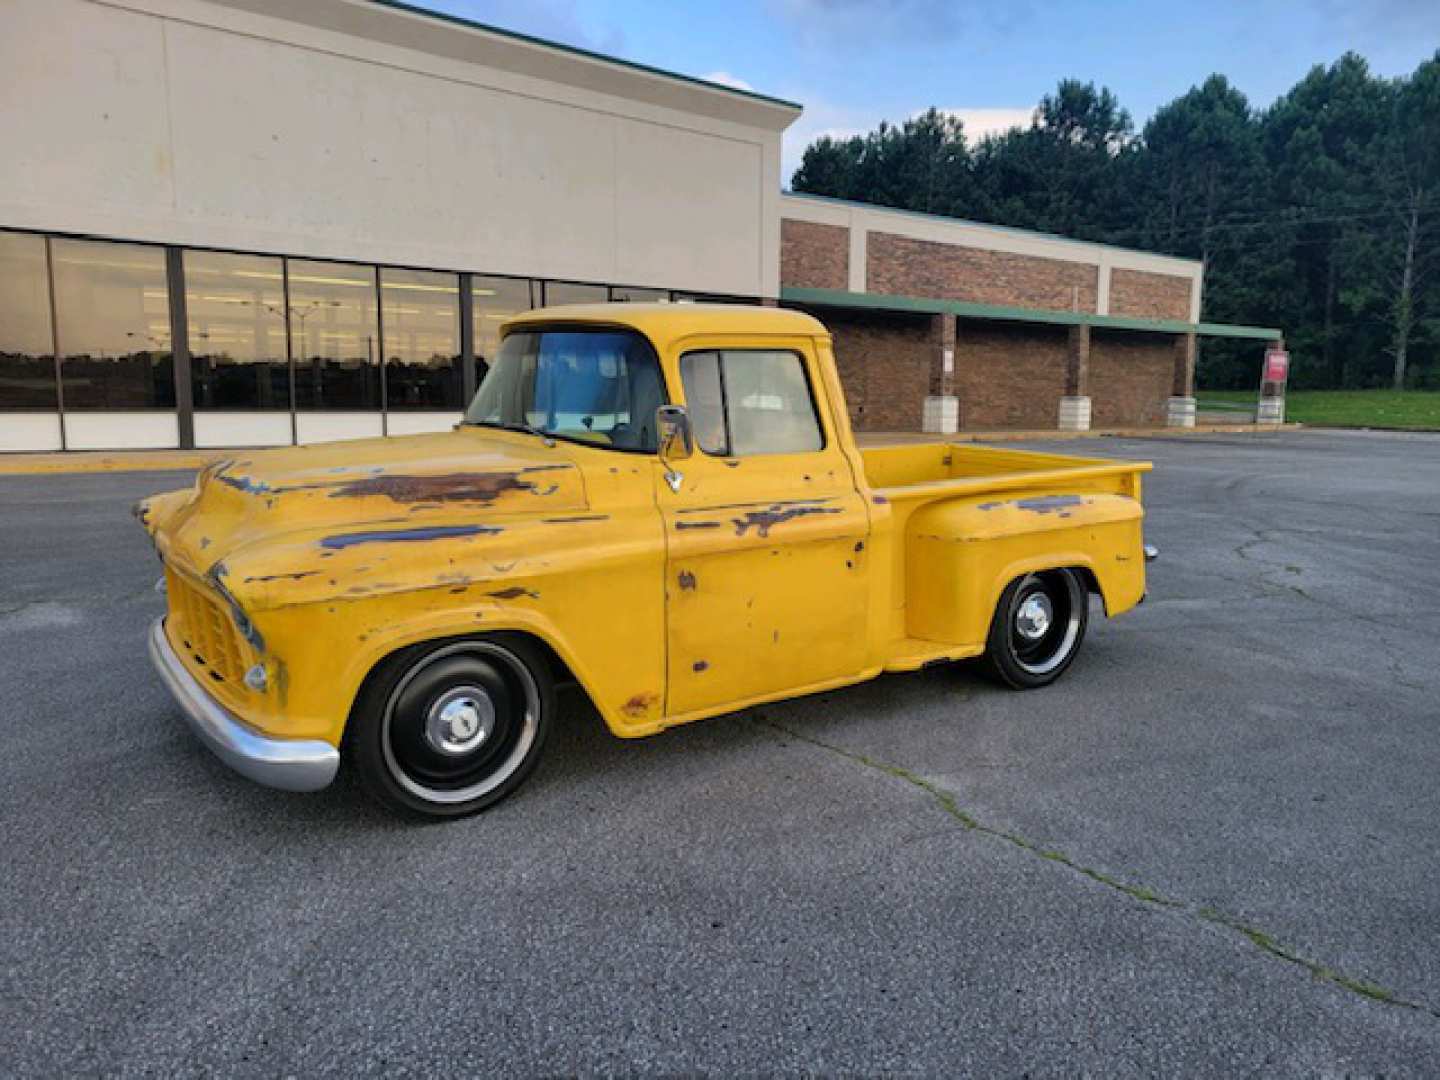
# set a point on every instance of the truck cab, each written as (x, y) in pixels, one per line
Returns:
(662, 502)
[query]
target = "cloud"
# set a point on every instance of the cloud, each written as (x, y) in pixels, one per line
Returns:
(981, 122)
(724, 78)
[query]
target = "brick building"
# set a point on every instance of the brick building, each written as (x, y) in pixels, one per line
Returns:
(943, 325)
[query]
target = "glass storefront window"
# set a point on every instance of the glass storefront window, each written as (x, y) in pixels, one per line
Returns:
(638, 296)
(713, 298)
(333, 336)
(27, 360)
(113, 324)
(496, 299)
(235, 306)
(565, 292)
(420, 312)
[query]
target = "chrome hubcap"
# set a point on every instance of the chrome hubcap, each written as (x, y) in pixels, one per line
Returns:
(460, 720)
(1033, 618)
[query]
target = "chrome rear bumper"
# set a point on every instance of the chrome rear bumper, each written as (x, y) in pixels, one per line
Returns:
(290, 764)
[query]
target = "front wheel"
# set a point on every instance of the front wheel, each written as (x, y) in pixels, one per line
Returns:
(450, 730)
(1038, 626)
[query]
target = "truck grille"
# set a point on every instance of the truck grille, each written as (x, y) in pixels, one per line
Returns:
(203, 626)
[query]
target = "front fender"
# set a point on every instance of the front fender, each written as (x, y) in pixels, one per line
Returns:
(589, 587)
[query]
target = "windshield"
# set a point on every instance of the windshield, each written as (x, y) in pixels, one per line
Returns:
(595, 386)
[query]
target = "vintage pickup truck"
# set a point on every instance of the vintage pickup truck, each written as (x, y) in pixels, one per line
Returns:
(663, 503)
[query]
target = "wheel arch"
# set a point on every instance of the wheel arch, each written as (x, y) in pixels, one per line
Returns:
(561, 670)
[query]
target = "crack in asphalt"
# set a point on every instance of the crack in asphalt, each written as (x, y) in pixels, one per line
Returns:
(1262, 941)
(1266, 578)
(10, 607)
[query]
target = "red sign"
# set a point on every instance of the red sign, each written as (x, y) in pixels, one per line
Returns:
(1277, 365)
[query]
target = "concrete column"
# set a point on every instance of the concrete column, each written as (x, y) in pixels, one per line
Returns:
(1185, 346)
(1180, 410)
(1075, 405)
(942, 407)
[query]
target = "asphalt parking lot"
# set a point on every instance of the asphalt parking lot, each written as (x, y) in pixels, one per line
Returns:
(1213, 847)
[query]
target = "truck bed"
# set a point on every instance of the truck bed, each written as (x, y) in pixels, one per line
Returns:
(917, 472)
(939, 595)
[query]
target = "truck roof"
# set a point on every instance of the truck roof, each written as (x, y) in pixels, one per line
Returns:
(666, 322)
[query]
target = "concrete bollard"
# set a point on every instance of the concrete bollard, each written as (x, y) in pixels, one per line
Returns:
(1180, 412)
(1271, 410)
(942, 414)
(1074, 414)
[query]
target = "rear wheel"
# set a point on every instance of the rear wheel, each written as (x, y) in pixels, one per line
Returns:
(1038, 626)
(451, 730)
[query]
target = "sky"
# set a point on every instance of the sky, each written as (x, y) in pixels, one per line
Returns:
(853, 63)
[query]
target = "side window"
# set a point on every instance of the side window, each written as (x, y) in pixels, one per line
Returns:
(750, 401)
(705, 400)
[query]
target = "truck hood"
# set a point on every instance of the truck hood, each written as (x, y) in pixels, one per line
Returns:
(325, 494)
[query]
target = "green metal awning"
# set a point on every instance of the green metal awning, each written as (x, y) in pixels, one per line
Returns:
(919, 305)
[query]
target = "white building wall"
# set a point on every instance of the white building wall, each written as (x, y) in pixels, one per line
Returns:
(327, 133)
(120, 430)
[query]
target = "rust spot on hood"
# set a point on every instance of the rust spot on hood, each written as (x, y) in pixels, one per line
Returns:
(283, 577)
(482, 487)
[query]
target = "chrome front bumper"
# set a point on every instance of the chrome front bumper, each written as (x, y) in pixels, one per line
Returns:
(290, 764)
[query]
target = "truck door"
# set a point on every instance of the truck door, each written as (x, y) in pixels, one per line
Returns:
(767, 537)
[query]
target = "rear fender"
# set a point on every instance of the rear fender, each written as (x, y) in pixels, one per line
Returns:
(961, 553)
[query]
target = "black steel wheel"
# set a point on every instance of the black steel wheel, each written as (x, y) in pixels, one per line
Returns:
(452, 729)
(1037, 629)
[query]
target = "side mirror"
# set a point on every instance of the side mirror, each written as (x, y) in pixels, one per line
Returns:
(676, 443)
(672, 426)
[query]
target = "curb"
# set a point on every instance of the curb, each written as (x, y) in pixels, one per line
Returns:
(90, 461)
(873, 438)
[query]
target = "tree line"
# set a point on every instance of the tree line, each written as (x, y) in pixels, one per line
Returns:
(1319, 214)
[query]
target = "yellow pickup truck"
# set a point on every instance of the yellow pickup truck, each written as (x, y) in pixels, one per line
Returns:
(661, 502)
